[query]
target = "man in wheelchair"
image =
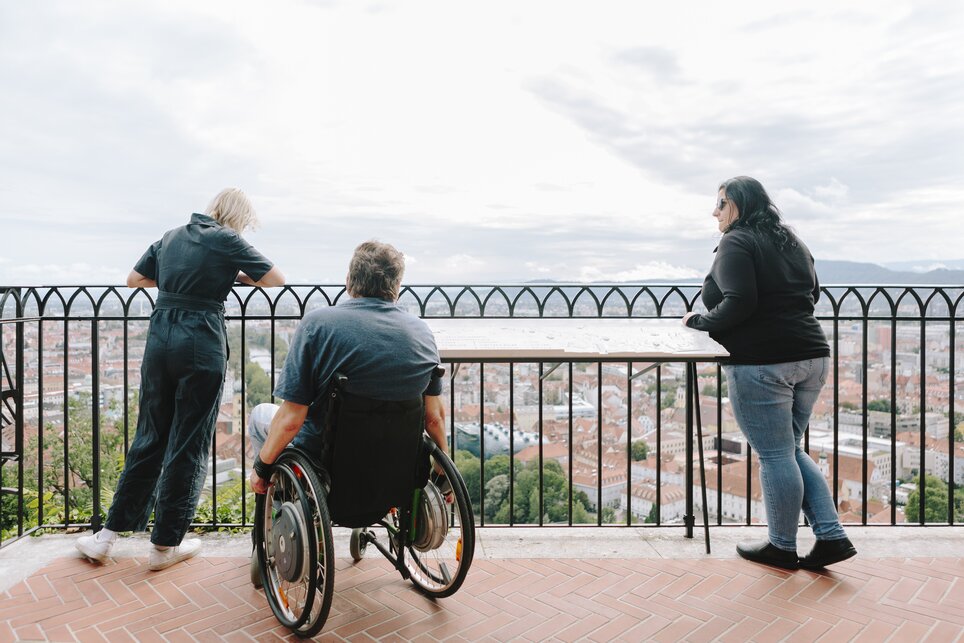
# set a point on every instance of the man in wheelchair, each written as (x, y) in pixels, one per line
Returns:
(370, 371)
(385, 353)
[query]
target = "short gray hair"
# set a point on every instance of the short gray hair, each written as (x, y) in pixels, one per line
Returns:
(231, 208)
(376, 270)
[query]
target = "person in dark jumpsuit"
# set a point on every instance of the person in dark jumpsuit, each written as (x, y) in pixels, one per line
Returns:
(182, 375)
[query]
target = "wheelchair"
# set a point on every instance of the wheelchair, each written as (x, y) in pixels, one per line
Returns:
(381, 476)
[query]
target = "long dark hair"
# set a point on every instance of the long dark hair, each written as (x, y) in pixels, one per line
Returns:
(757, 210)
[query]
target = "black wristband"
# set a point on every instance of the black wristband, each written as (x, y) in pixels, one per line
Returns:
(263, 470)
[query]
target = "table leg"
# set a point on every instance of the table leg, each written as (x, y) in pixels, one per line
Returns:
(694, 386)
(688, 518)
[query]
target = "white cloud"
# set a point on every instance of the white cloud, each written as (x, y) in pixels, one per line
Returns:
(653, 271)
(608, 126)
(51, 274)
(833, 191)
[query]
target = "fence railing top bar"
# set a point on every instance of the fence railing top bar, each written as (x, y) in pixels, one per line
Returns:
(516, 284)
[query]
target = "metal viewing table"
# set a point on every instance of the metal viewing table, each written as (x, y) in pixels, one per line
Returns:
(563, 340)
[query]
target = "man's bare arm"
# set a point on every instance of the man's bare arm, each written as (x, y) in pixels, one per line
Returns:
(284, 427)
(435, 420)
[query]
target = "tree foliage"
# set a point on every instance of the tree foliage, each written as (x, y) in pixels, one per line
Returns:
(879, 405)
(67, 477)
(935, 501)
(257, 385)
(525, 491)
(639, 450)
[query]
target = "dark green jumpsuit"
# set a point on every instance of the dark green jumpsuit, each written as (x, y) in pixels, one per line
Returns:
(182, 375)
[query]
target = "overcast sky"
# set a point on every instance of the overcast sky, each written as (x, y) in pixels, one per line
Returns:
(489, 141)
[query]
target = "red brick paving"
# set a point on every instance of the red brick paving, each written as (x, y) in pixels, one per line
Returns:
(210, 599)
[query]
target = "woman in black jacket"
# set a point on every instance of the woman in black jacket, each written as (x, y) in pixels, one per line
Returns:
(760, 296)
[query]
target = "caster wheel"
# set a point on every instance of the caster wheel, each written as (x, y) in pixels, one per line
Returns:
(357, 544)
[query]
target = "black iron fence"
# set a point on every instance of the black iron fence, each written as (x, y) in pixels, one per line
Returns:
(585, 444)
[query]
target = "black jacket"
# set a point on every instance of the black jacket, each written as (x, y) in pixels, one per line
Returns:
(759, 300)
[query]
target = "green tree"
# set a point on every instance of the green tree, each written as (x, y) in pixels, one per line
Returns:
(879, 405)
(231, 496)
(257, 385)
(525, 493)
(468, 466)
(935, 500)
(235, 359)
(652, 516)
(668, 400)
(73, 493)
(639, 450)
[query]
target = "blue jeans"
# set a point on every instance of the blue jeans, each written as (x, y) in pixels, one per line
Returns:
(259, 421)
(772, 404)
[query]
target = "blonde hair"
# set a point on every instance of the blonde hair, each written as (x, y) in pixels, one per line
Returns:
(376, 270)
(231, 208)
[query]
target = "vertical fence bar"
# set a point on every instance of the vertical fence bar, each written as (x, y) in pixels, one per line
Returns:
(511, 445)
(863, 396)
(18, 420)
(95, 420)
(542, 509)
(836, 408)
(922, 472)
(599, 462)
(66, 485)
(40, 419)
(629, 444)
(482, 444)
(571, 453)
(893, 418)
(951, 421)
(659, 444)
(951, 384)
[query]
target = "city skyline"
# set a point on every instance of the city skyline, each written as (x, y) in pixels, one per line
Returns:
(495, 142)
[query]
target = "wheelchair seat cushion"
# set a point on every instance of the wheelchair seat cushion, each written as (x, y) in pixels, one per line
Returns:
(377, 458)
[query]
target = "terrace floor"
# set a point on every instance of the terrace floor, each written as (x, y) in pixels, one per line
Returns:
(906, 584)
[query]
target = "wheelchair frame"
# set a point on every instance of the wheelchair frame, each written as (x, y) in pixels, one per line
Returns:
(294, 546)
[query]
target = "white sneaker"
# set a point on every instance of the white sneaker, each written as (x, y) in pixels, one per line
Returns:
(159, 560)
(93, 548)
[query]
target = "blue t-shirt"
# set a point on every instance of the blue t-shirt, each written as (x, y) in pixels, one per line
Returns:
(201, 259)
(386, 353)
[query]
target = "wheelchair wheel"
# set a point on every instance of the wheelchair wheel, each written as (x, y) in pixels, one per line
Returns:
(357, 544)
(441, 551)
(294, 545)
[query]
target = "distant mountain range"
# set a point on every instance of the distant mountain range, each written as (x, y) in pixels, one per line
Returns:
(852, 272)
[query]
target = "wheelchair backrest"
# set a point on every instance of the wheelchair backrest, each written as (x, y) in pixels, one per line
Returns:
(374, 455)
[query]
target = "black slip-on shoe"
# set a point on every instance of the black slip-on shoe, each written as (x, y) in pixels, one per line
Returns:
(766, 553)
(828, 552)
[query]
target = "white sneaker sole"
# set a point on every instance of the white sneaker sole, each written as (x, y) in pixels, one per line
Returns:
(92, 556)
(164, 564)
